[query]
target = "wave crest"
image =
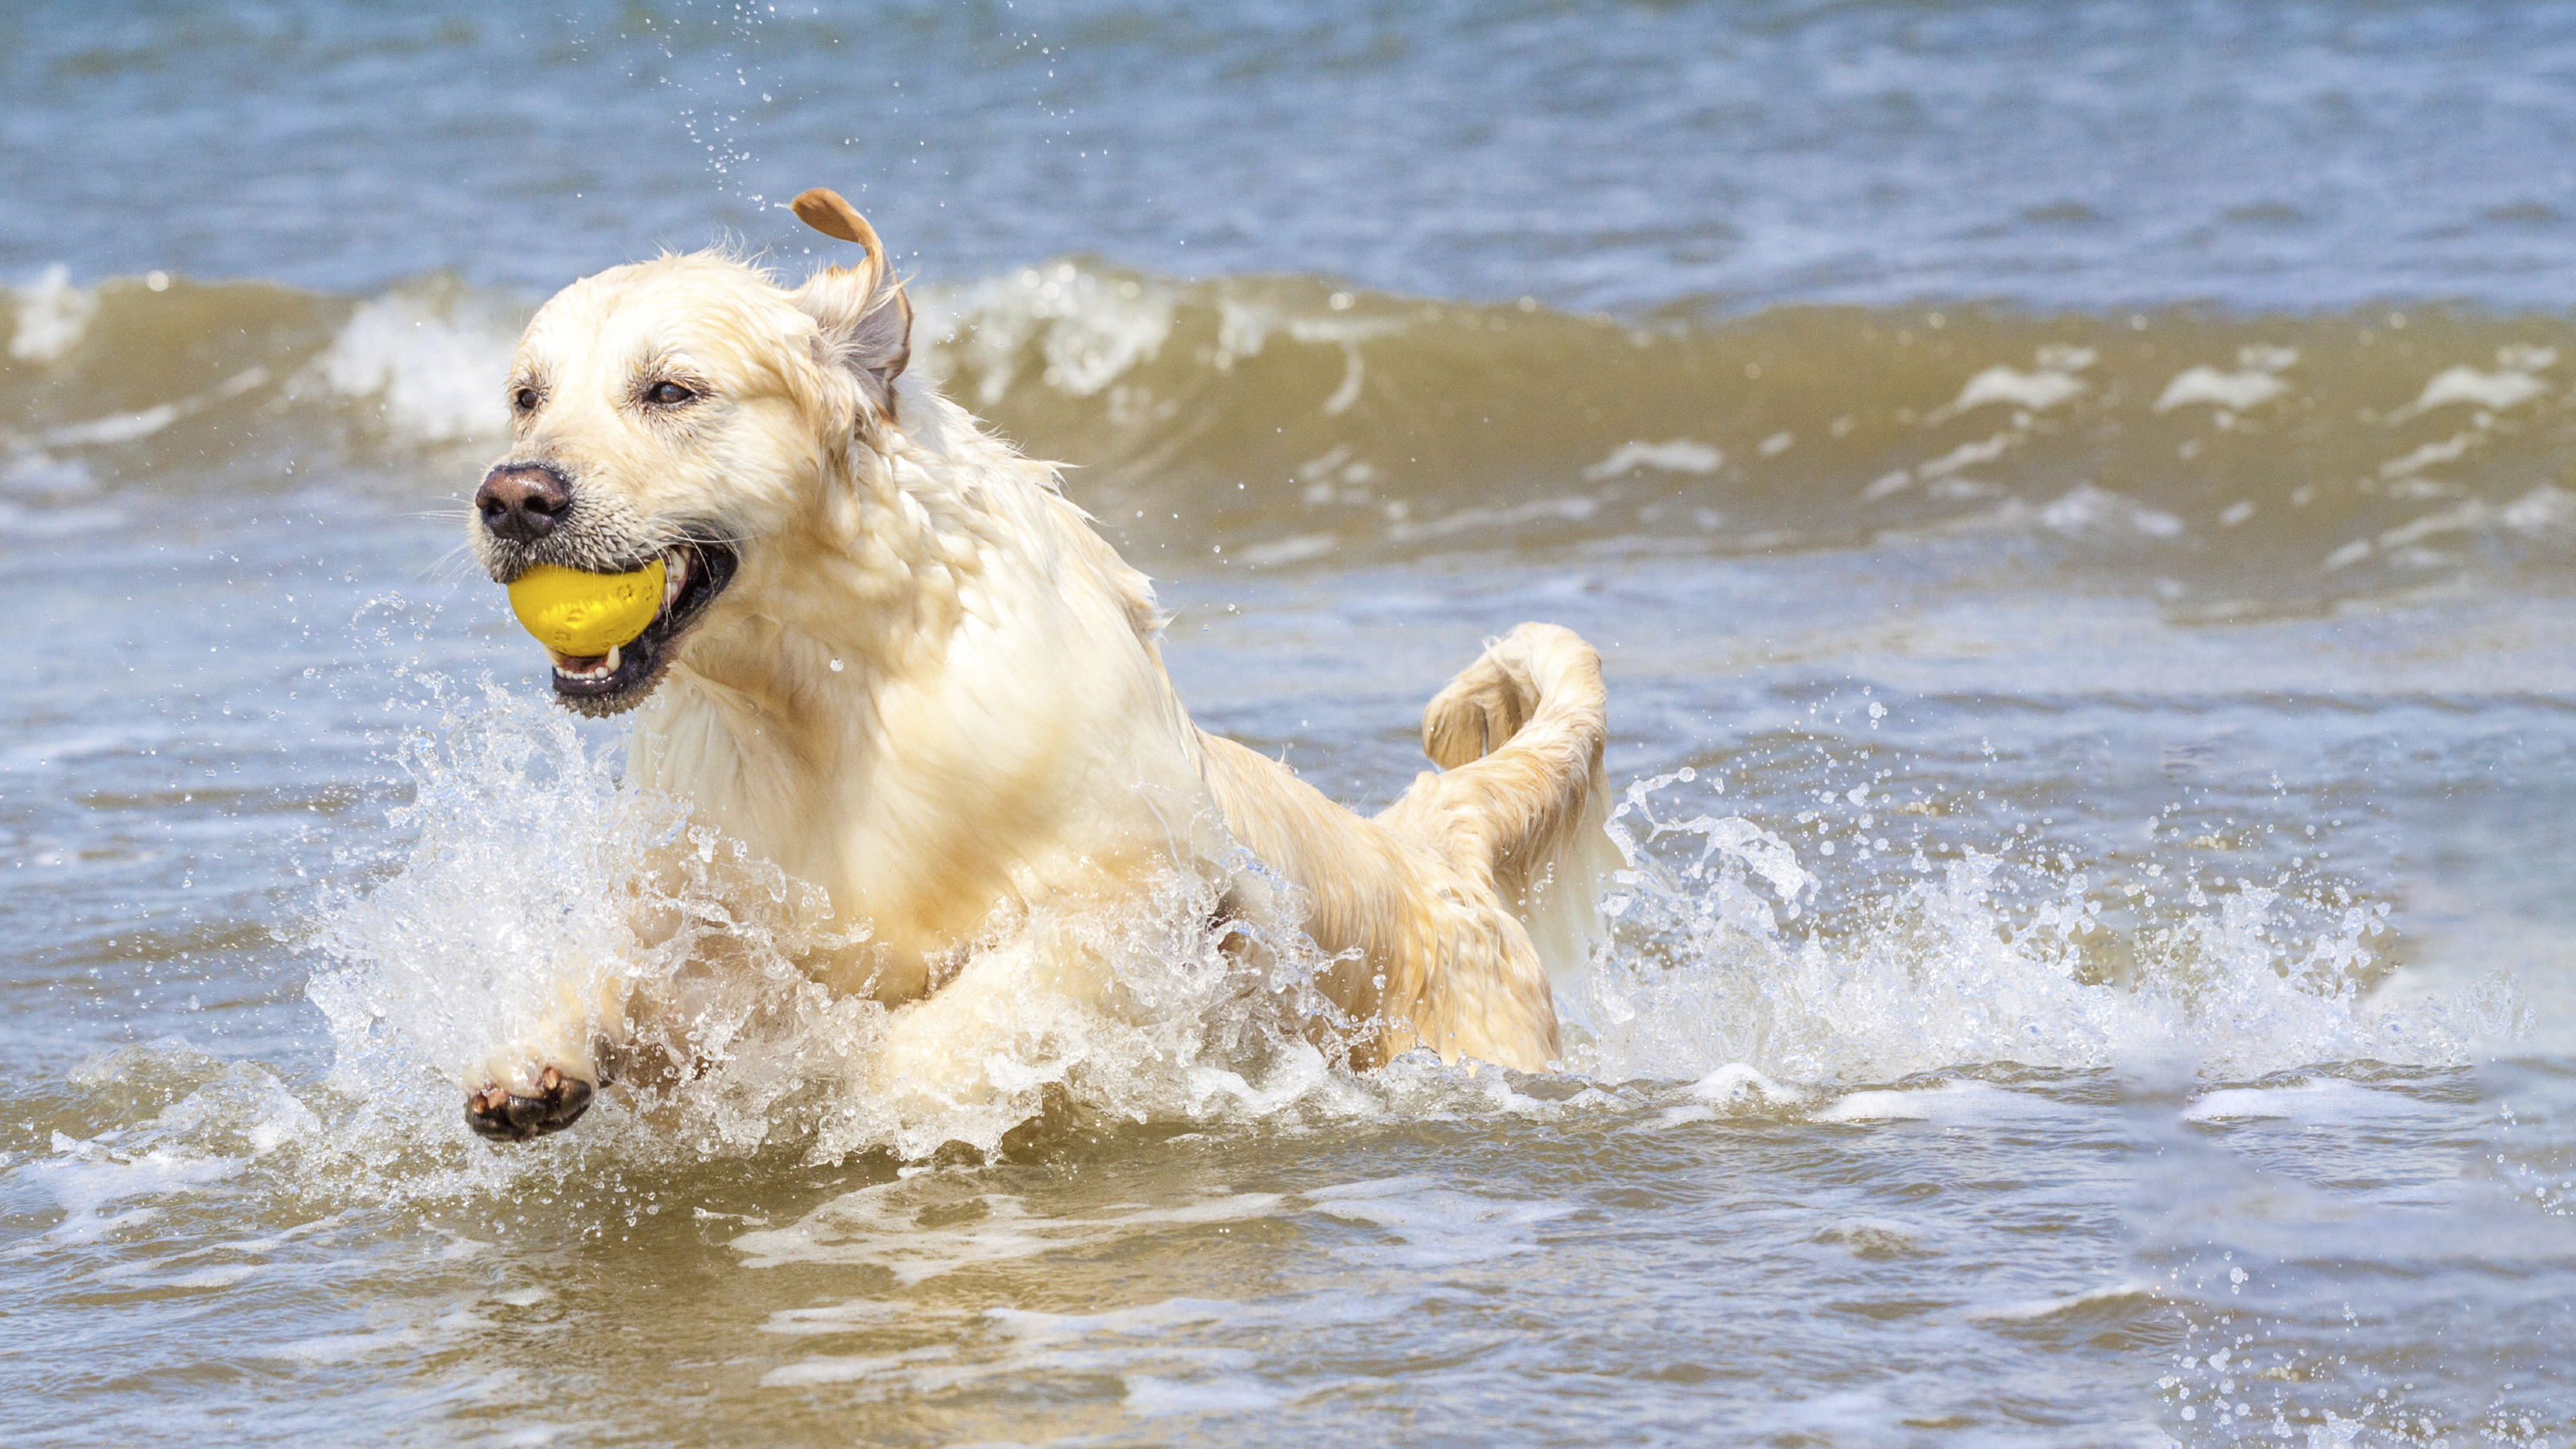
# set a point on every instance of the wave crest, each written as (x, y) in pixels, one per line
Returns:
(1275, 422)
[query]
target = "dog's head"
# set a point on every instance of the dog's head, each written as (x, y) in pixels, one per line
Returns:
(690, 410)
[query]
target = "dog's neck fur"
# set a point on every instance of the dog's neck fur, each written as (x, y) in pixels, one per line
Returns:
(991, 612)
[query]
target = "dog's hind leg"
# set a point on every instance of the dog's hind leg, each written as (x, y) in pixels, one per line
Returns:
(1452, 913)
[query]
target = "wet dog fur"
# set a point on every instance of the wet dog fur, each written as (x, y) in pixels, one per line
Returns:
(901, 666)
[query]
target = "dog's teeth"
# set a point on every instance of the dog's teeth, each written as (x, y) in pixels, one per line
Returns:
(598, 667)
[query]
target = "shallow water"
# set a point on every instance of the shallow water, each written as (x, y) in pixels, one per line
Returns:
(2075, 505)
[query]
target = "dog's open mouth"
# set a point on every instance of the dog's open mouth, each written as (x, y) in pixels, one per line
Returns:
(603, 684)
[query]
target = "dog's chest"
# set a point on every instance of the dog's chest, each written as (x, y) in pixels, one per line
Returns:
(927, 816)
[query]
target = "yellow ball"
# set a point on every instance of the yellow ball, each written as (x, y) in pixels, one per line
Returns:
(586, 614)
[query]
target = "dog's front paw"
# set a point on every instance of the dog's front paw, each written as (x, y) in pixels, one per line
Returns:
(496, 1112)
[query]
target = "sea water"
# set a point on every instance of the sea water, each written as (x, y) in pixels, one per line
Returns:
(2075, 503)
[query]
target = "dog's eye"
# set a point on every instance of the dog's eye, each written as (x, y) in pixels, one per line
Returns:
(524, 399)
(667, 394)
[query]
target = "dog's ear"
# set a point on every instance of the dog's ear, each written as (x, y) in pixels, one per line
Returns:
(863, 318)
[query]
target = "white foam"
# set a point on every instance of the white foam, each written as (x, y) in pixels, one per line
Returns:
(1425, 1224)
(224, 1118)
(1678, 455)
(1149, 1395)
(347, 1347)
(1956, 1103)
(52, 316)
(1878, 1107)
(2315, 1101)
(1942, 471)
(2448, 451)
(1468, 520)
(858, 1314)
(2253, 383)
(2545, 510)
(1967, 455)
(208, 1278)
(1090, 328)
(2037, 391)
(2235, 391)
(1142, 1320)
(2497, 391)
(1737, 1084)
(2044, 387)
(431, 358)
(116, 428)
(1296, 548)
(2031, 1310)
(1245, 325)
(853, 1368)
(1151, 1348)
(36, 472)
(2546, 514)
(142, 423)
(24, 522)
(878, 1226)
(2088, 510)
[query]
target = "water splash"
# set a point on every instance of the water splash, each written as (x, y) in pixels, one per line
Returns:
(1951, 967)
(532, 874)
(533, 878)
(431, 358)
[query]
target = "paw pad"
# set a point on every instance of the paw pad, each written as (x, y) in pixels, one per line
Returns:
(505, 1116)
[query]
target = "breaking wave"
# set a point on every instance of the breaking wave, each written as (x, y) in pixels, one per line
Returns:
(2238, 461)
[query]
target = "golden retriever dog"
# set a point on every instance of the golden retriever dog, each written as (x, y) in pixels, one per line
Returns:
(894, 661)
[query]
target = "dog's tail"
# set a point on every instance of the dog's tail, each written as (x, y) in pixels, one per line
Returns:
(1518, 736)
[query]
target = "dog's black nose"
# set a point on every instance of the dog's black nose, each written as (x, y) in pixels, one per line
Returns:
(522, 502)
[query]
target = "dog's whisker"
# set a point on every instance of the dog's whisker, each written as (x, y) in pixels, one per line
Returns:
(456, 563)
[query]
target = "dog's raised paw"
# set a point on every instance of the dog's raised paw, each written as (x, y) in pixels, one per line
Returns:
(506, 1116)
